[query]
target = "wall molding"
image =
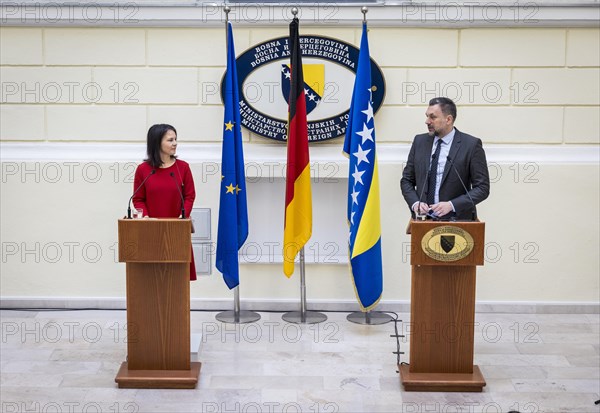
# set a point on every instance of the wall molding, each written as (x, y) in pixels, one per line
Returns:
(403, 13)
(264, 153)
(398, 306)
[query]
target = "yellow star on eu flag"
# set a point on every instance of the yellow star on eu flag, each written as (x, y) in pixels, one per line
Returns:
(237, 189)
(229, 126)
(230, 188)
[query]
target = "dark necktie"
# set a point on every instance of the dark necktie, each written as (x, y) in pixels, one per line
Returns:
(433, 174)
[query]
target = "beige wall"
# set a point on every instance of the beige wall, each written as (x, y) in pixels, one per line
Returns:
(78, 84)
(107, 85)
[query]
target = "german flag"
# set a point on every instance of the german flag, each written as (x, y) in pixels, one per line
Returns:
(298, 199)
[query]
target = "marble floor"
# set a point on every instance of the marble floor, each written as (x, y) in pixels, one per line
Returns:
(66, 361)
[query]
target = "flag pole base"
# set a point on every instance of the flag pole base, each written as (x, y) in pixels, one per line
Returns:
(310, 317)
(243, 317)
(369, 318)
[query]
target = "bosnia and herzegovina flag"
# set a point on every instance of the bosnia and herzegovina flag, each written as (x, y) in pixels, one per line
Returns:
(363, 187)
(298, 199)
(233, 210)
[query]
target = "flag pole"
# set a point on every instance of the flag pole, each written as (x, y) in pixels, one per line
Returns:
(368, 317)
(303, 316)
(302, 288)
(236, 316)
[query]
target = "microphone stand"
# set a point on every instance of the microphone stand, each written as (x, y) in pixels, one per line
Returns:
(473, 210)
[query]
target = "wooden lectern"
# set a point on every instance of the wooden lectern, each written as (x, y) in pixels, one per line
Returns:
(444, 256)
(158, 255)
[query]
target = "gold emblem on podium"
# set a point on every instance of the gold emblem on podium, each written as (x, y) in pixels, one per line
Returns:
(447, 243)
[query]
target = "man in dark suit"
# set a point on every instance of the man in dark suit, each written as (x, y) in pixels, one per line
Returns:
(429, 183)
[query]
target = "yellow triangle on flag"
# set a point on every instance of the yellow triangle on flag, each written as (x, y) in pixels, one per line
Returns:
(314, 76)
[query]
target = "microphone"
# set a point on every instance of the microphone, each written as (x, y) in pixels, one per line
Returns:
(474, 210)
(181, 195)
(152, 172)
(424, 183)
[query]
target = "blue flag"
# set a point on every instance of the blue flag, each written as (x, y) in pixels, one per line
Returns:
(364, 219)
(233, 209)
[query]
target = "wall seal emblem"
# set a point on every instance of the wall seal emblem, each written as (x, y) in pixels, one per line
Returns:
(329, 67)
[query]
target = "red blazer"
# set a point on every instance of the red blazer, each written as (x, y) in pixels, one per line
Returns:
(160, 198)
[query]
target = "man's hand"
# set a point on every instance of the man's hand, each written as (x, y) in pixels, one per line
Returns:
(442, 208)
(421, 208)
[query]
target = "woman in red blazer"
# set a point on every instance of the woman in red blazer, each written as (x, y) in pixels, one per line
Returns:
(160, 196)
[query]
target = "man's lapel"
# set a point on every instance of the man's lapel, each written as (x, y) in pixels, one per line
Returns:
(452, 154)
(428, 147)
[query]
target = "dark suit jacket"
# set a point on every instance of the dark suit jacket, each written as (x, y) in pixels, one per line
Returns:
(468, 158)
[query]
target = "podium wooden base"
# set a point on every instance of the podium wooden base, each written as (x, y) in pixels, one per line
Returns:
(441, 382)
(158, 379)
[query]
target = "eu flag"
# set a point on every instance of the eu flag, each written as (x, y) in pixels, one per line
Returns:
(233, 209)
(363, 187)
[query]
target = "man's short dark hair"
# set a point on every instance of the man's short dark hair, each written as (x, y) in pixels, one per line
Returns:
(446, 105)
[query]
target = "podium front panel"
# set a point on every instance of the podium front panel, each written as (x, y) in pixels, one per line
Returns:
(158, 316)
(442, 319)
